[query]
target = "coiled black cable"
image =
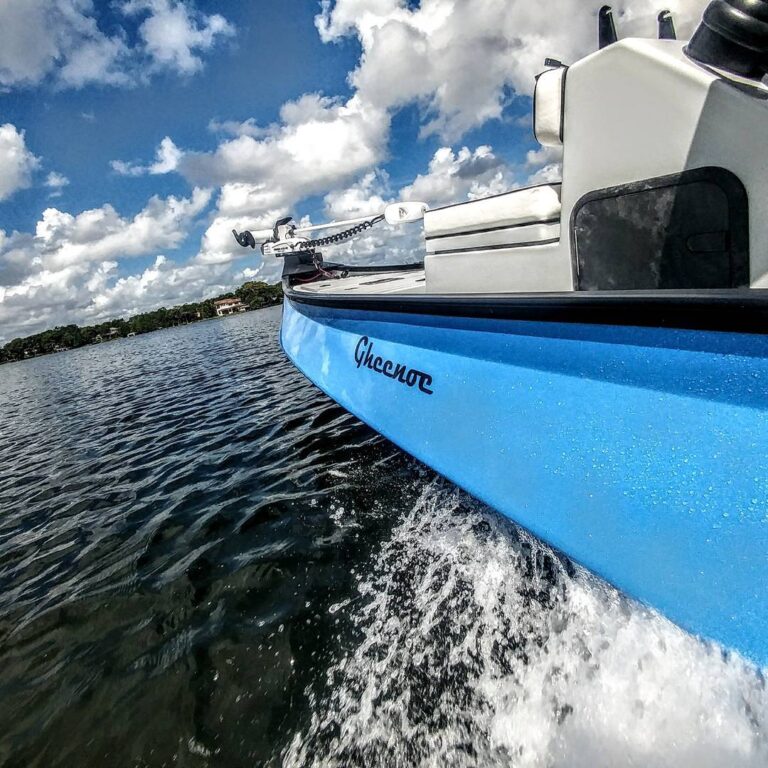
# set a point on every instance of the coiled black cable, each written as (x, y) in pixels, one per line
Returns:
(339, 237)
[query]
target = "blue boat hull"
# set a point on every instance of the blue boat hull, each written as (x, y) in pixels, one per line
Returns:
(639, 452)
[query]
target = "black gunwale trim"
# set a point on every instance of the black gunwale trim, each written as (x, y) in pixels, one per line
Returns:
(466, 233)
(734, 310)
(503, 246)
(353, 268)
(562, 106)
(500, 194)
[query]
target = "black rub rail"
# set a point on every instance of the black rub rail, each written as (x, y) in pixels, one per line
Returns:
(735, 310)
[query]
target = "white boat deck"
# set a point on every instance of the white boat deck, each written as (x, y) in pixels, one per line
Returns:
(407, 281)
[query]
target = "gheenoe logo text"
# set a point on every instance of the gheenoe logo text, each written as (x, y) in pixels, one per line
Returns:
(365, 357)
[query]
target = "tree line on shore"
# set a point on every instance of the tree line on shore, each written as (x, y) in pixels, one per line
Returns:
(255, 295)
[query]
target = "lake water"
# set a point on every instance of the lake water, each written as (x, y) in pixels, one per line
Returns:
(205, 562)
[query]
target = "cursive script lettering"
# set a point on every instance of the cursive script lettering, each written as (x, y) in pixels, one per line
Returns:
(365, 358)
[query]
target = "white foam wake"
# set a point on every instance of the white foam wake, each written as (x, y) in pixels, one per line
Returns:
(479, 647)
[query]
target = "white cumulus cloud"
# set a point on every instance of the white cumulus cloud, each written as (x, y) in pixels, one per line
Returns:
(64, 270)
(461, 60)
(102, 60)
(165, 282)
(369, 196)
(56, 183)
(16, 161)
(94, 293)
(167, 157)
(173, 34)
(62, 40)
(100, 234)
(455, 176)
(56, 180)
(36, 36)
(320, 143)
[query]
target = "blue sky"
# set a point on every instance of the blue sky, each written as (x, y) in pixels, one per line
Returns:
(83, 130)
(135, 134)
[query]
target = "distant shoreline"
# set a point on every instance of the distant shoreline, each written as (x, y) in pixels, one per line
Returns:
(249, 296)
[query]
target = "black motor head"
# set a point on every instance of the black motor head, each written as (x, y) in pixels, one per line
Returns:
(733, 35)
(245, 239)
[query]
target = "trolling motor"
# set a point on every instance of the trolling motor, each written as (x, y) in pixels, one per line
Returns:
(285, 240)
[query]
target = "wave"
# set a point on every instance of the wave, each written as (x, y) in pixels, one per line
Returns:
(478, 645)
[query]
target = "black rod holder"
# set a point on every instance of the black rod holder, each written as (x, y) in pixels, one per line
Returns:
(666, 26)
(606, 29)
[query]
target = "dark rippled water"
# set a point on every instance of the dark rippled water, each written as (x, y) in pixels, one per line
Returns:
(205, 562)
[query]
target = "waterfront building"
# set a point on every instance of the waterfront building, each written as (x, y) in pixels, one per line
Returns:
(229, 306)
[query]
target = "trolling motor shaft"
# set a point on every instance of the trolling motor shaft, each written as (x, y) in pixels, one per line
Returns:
(285, 238)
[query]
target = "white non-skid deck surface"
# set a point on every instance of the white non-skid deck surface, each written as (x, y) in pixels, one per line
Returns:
(407, 281)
